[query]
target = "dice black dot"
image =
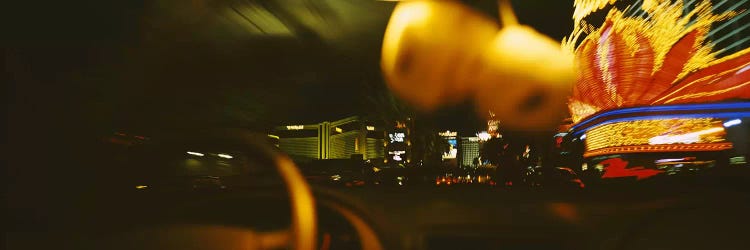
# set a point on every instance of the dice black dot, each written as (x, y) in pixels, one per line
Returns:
(533, 101)
(404, 60)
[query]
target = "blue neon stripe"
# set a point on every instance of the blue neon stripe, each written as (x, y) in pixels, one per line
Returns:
(667, 116)
(683, 107)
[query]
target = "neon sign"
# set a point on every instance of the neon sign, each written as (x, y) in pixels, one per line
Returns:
(295, 127)
(656, 135)
(448, 133)
(397, 137)
(397, 155)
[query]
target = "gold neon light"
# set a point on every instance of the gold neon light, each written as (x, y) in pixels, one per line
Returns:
(651, 135)
(660, 148)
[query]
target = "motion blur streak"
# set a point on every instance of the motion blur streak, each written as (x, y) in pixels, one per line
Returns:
(195, 153)
(368, 237)
(616, 168)
(304, 220)
(225, 156)
(272, 240)
(661, 52)
(683, 138)
(732, 123)
(326, 244)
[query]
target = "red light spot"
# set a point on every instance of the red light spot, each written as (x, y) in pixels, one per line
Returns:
(616, 168)
(326, 244)
(565, 211)
(580, 183)
(558, 141)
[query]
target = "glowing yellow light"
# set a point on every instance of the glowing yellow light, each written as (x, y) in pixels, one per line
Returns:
(512, 85)
(688, 138)
(295, 127)
(586, 7)
(658, 148)
(339, 130)
(225, 156)
(370, 128)
(448, 133)
(634, 49)
(424, 41)
(636, 136)
(304, 218)
(194, 153)
(141, 187)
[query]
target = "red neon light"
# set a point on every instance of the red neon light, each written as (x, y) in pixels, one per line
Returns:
(616, 168)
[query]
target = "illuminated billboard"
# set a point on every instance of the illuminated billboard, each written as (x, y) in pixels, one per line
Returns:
(397, 147)
(450, 137)
(452, 149)
(657, 135)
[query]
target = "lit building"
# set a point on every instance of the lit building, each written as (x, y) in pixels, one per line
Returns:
(468, 150)
(301, 142)
(341, 139)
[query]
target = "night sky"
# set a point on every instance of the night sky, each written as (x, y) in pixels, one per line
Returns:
(150, 65)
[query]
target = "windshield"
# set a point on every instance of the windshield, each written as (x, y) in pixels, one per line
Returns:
(376, 98)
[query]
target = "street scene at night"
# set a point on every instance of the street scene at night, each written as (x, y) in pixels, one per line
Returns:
(369, 124)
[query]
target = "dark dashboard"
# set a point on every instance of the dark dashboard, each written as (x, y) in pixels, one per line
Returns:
(483, 218)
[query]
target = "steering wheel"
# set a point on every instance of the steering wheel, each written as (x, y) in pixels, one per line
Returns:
(301, 235)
